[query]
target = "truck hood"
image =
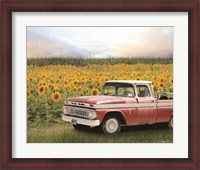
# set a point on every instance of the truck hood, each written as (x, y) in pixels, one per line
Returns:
(98, 99)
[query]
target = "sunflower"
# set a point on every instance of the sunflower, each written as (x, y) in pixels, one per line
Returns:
(161, 79)
(171, 80)
(83, 82)
(74, 89)
(161, 85)
(50, 86)
(95, 92)
(52, 81)
(40, 83)
(56, 96)
(50, 101)
(155, 78)
(75, 82)
(138, 78)
(46, 88)
(41, 90)
(79, 89)
(66, 82)
(83, 78)
(43, 76)
(106, 78)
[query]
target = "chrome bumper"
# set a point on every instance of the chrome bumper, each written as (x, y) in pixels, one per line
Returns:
(77, 120)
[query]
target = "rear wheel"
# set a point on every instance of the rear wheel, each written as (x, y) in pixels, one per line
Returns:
(111, 125)
(170, 124)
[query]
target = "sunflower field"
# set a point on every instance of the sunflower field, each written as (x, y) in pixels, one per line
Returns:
(49, 85)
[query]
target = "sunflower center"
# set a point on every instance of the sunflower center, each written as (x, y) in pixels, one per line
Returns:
(56, 96)
(41, 89)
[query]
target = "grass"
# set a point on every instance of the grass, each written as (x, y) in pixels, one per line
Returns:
(99, 61)
(158, 133)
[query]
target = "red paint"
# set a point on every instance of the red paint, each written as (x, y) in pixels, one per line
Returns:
(135, 115)
(98, 99)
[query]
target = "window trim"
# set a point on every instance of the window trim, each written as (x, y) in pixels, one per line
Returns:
(147, 85)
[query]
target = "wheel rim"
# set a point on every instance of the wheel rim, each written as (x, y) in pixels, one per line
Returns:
(112, 125)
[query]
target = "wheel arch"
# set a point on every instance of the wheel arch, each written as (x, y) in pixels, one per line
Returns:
(116, 114)
(171, 116)
(170, 123)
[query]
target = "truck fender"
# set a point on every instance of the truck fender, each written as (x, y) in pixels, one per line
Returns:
(116, 114)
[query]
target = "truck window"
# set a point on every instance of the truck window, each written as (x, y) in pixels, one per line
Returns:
(118, 89)
(109, 90)
(143, 91)
(126, 91)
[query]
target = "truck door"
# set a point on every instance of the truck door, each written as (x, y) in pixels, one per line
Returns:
(147, 110)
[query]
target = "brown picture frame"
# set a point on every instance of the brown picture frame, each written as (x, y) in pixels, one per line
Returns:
(10, 6)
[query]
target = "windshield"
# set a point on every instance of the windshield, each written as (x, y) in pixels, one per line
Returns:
(118, 89)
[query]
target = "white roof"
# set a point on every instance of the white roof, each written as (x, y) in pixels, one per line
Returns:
(129, 81)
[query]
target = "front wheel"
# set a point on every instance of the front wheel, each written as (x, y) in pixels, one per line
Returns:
(170, 124)
(111, 125)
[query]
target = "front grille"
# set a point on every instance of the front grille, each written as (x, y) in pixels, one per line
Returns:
(79, 112)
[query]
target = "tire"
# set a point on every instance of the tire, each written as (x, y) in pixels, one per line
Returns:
(111, 125)
(170, 124)
(80, 127)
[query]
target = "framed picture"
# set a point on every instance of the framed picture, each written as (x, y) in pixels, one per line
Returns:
(58, 57)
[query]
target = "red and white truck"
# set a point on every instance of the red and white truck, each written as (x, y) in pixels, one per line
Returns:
(121, 103)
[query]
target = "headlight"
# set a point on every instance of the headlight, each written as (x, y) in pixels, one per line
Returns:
(68, 110)
(91, 114)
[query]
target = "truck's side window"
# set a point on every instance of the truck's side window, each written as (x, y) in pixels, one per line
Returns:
(143, 91)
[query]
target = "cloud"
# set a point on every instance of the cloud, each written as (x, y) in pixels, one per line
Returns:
(99, 41)
(39, 46)
(151, 42)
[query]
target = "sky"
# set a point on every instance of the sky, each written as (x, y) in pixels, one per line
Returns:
(99, 42)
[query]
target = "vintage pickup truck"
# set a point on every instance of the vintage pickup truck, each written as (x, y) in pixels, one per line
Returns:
(121, 103)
